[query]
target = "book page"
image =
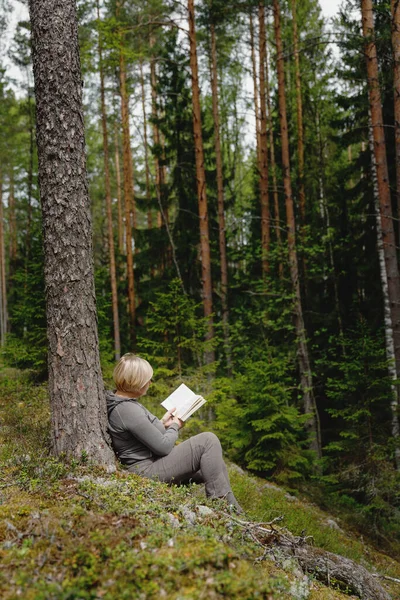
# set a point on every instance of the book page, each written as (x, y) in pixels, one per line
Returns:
(184, 400)
(181, 398)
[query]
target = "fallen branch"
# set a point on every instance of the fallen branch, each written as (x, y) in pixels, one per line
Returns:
(325, 566)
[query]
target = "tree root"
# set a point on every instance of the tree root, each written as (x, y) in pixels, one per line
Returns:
(331, 569)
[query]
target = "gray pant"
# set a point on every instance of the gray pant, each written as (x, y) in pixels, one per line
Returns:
(198, 459)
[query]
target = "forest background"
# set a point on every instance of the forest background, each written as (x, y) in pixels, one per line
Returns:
(248, 256)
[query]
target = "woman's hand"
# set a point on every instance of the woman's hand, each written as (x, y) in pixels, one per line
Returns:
(168, 418)
(178, 422)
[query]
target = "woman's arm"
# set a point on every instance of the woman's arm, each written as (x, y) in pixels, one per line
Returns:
(135, 420)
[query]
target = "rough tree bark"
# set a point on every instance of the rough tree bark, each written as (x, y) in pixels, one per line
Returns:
(388, 235)
(220, 199)
(201, 183)
(263, 154)
(75, 383)
(396, 90)
(110, 232)
(255, 88)
(309, 404)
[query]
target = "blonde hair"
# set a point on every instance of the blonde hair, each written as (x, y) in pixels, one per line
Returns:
(131, 373)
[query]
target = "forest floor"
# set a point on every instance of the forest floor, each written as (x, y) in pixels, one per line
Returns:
(69, 531)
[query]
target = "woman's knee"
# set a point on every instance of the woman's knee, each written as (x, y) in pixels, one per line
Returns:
(207, 438)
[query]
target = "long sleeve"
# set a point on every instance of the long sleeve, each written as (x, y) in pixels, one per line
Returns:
(146, 428)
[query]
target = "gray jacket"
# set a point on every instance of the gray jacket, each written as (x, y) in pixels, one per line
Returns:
(137, 434)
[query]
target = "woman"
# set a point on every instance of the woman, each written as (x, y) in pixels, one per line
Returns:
(146, 445)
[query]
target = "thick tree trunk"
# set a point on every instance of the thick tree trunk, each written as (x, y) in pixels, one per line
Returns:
(111, 250)
(220, 199)
(121, 236)
(309, 403)
(389, 243)
(201, 183)
(128, 194)
(75, 382)
(263, 154)
(396, 89)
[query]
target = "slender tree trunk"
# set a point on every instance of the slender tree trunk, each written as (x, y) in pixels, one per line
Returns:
(299, 108)
(255, 88)
(128, 194)
(263, 154)
(309, 403)
(201, 182)
(389, 339)
(388, 235)
(158, 146)
(111, 250)
(12, 221)
(146, 149)
(396, 89)
(76, 387)
(220, 198)
(121, 242)
(273, 165)
(30, 169)
(3, 289)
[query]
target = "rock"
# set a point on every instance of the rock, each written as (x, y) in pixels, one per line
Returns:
(333, 525)
(188, 515)
(204, 511)
(291, 498)
(271, 486)
(238, 469)
(173, 520)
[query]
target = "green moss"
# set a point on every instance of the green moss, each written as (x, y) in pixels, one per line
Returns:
(69, 531)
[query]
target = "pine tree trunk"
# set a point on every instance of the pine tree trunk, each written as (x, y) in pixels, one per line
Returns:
(263, 154)
(299, 109)
(255, 89)
(309, 403)
(389, 243)
(389, 341)
(159, 169)
(12, 222)
(121, 243)
(388, 235)
(3, 290)
(220, 199)
(146, 149)
(79, 422)
(396, 89)
(111, 250)
(201, 183)
(273, 165)
(30, 170)
(128, 194)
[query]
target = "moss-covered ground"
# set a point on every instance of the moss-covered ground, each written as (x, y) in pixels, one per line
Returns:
(70, 531)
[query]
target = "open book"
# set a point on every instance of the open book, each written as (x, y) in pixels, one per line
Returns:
(185, 401)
